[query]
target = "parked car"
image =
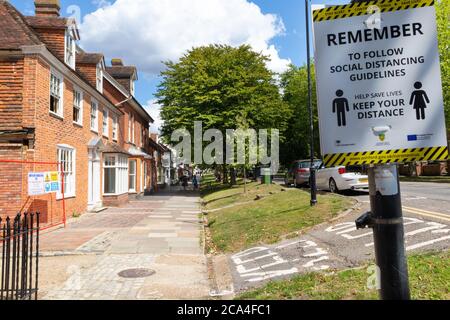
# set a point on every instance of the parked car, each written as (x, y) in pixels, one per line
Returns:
(298, 173)
(338, 179)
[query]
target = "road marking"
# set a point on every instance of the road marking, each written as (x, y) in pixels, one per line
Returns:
(423, 244)
(429, 214)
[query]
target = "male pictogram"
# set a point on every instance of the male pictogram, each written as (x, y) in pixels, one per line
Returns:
(341, 106)
(419, 100)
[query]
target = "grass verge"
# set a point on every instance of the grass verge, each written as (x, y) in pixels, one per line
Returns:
(277, 213)
(436, 179)
(429, 280)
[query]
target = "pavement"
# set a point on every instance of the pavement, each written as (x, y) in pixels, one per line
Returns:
(150, 249)
(338, 245)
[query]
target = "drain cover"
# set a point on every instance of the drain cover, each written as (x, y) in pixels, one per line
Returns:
(136, 273)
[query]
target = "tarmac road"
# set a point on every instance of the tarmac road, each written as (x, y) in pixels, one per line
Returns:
(339, 245)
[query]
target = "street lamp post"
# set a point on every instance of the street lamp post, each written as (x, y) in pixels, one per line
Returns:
(311, 117)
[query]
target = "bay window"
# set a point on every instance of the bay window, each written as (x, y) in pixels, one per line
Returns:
(115, 174)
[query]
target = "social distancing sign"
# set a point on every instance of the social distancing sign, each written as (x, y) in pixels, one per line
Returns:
(379, 83)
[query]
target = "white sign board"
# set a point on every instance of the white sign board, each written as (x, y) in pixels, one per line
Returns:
(379, 83)
(36, 184)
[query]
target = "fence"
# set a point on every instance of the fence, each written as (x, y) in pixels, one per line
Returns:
(15, 192)
(19, 240)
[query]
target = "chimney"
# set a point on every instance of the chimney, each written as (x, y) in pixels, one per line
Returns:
(47, 8)
(117, 62)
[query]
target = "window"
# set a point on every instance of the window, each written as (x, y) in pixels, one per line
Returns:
(115, 174)
(131, 128)
(105, 128)
(115, 128)
(56, 94)
(70, 49)
(142, 176)
(66, 158)
(77, 107)
(100, 77)
(145, 175)
(132, 176)
(94, 116)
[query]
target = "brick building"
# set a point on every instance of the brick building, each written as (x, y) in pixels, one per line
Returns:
(61, 104)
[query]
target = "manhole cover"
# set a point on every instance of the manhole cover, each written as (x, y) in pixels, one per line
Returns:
(136, 273)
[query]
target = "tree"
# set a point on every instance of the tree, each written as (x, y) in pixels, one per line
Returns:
(294, 83)
(443, 19)
(218, 84)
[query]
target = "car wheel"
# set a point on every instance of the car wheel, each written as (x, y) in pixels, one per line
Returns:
(333, 186)
(286, 182)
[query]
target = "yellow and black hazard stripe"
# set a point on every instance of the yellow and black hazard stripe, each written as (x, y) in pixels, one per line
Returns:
(386, 156)
(361, 8)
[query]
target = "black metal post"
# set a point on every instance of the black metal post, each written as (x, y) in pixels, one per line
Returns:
(311, 117)
(388, 232)
(386, 219)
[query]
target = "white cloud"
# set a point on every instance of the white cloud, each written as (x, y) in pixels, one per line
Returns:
(146, 32)
(154, 109)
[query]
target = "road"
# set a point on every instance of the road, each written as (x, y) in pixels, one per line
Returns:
(430, 200)
(338, 245)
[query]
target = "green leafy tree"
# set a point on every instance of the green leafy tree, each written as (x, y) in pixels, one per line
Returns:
(443, 19)
(294, 83)
(219, 84)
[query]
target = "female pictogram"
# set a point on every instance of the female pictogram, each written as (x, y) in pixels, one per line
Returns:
(419, 99)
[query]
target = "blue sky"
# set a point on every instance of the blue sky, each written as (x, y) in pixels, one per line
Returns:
(100, 32)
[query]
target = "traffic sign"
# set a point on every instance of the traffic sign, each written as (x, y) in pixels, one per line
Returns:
(379, 83)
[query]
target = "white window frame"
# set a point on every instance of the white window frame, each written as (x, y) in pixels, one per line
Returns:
(69, 49)
(145, 174)
(80, 106)
(115, 128)
(142, 176)
(54, 87)
(105, 123)
(93, 124)
(67, 156)
(132, 190)
(131, 132)
(99, 77)
(121, 168)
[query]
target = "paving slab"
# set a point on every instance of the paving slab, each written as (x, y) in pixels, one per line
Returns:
(155, 233)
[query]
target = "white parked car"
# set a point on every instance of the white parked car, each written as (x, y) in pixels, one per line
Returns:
(338, 179)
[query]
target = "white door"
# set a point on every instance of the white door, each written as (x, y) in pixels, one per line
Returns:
(94, 194)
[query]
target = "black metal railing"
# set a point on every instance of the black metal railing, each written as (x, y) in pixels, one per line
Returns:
(19, 241)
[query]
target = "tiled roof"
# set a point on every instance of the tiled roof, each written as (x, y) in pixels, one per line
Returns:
(121, 71)
(48, 22)
(89, 58)
(113, 148)
(14, 31)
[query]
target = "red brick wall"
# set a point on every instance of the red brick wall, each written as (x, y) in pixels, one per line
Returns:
(51, 131)
(116, 201)
(11, 74)
(10, 180)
